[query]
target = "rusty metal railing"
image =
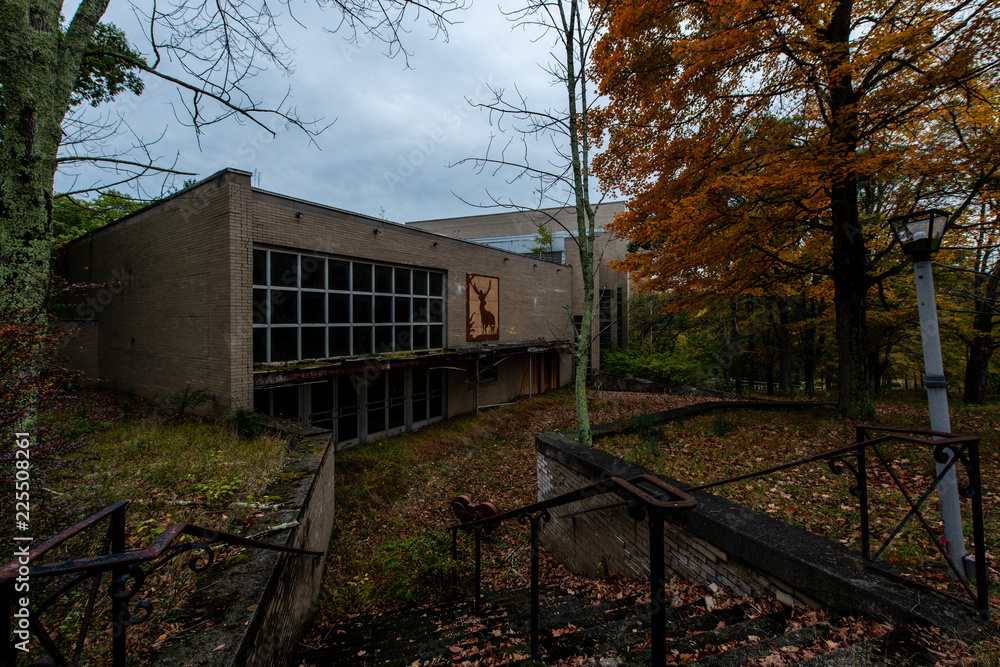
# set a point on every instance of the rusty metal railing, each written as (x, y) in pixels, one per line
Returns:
(655, 501)
(128, 570)
(948, 449)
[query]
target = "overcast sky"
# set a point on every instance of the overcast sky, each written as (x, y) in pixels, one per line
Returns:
(396, 129)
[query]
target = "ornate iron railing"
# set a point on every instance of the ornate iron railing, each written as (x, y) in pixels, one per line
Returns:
(21, 617)
(655, 500)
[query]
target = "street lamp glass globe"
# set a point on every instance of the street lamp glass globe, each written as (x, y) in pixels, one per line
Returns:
(919, 234)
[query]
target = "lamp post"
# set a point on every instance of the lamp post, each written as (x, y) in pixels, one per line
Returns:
(919, 234)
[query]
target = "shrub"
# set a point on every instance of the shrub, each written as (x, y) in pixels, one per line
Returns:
(244, 423)
(662, 368)
(175, 405)
(419, 569)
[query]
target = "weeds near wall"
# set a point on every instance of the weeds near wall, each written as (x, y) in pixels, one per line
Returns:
(176, 405)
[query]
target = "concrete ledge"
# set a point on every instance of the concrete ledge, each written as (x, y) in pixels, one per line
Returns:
(258, 610)
(759, 554)
(688, 411)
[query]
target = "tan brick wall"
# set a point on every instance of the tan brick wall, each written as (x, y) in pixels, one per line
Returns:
(165, 315)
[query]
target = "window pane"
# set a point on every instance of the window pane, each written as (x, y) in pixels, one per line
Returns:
(383, 309)
(419, 310)
(284, 307)
(340, 341)
(313, 342)
(402, 281)
(419, 282)
(437, 284)
(262, 401)
(347, 391)
(362, 340)
(436, 402)
(383, 279)
(284, 344)
(397, 398)
(403, 309)
(436, 310)
(284, 269)
(340, 275)
(259, 345)
(383, 340)
(362, 277)
(347, 424)
(340, 308)
(437, 337)
(313, 307)
(260, 306)
(419, 397)
(362, 309)
(376, 404)
(403, 340)
(420, 338)
(313, 272)
(259, 267)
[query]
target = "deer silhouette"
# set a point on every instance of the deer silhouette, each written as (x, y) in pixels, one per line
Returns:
(486, 318)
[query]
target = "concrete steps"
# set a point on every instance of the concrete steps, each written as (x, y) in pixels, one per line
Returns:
(572, 626)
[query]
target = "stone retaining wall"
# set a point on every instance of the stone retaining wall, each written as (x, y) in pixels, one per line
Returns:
(253, 614)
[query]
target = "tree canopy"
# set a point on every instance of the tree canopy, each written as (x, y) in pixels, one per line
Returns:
(759, 139)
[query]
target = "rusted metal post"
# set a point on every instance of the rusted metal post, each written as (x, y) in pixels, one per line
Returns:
(978, 537)
(119, 585)
(658, 592)
(534, 585)
(479, 536)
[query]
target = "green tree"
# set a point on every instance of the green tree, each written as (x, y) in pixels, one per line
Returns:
(73, 217)
(542, 240)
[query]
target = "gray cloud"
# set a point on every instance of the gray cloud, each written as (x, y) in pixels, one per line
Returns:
(396, 129)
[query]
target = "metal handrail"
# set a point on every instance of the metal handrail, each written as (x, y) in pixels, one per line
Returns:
(656, 503)
(127, 577)
(964, 450)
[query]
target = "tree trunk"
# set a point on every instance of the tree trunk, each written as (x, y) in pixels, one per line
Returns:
(977, 369)
(585, 216)
(850, 256)
(809, 357)
(38, 70)
(785, 350)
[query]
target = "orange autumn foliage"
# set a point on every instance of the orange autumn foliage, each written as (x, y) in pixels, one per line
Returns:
(745, 133)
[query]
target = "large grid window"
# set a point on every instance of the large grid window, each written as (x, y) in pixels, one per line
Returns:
(311, 307)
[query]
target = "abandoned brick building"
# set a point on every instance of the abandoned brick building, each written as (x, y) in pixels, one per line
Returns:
(340, 320)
